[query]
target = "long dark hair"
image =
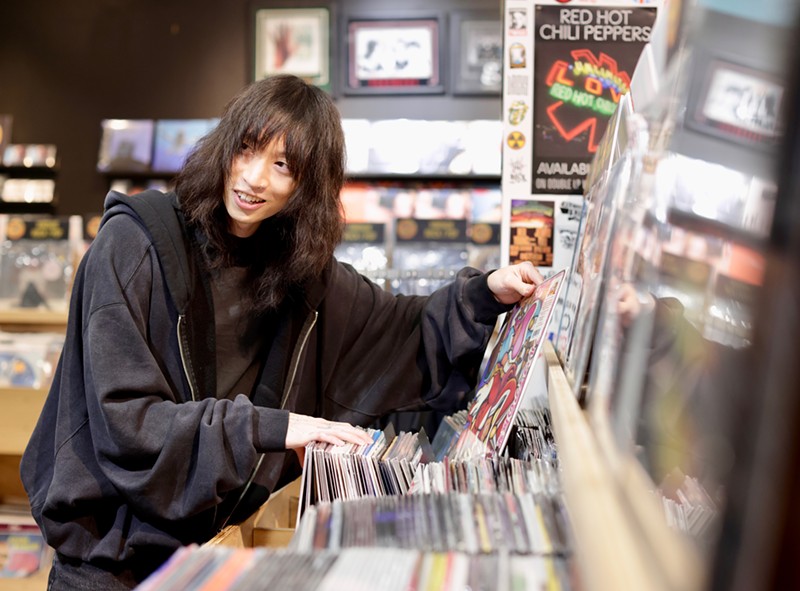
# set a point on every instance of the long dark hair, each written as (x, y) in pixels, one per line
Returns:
(298, 242)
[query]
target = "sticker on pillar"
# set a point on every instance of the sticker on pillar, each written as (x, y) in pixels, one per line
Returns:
(518, 21)
(516, 175)
(532, 232)
(517, 56)
(517, 111)
(515, 140)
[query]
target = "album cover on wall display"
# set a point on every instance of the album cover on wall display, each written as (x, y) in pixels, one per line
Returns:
(175, 138)
(126, 145)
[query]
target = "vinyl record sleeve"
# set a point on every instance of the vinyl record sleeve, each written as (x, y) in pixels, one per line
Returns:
(126, 145)
(499, 393)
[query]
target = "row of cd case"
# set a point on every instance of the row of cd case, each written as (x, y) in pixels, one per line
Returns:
(384, 467)
(194, 568)
(462, 522)
(485, 475)
(407, 463)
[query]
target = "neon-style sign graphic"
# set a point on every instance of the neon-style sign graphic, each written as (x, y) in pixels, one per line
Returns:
(584, 84)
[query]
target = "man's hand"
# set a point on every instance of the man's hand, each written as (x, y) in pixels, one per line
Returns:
(304, 429)
(510, 284)
(629, 306)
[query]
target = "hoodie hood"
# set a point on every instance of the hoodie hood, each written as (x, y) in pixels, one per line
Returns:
(158, 213)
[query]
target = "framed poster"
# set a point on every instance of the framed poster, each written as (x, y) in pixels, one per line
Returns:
(580, 71)
(293, 41)
(392, 56)
(476, 47)
(737, 103)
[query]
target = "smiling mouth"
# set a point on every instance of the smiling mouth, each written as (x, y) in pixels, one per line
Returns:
(249, 199)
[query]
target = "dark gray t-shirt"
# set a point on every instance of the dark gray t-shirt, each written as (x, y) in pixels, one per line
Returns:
(237, 363)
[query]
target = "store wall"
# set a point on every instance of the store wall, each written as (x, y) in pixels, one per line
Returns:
(65, 66)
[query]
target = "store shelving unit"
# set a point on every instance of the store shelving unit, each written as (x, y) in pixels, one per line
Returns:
(20, 411)
(621, 540)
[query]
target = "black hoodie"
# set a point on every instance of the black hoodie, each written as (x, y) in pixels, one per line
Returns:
(134, 456)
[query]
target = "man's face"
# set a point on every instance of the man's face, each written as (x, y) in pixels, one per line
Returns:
(258, 187)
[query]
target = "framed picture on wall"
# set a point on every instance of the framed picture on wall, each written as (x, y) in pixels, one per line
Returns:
(293, 41)
(393, 55)
(476, 47)
(737, 103)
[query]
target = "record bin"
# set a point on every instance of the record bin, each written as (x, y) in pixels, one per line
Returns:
(272, 525)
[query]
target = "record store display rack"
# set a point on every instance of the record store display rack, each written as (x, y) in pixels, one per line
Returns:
(650, 442)
(443, 514)
(639, 462)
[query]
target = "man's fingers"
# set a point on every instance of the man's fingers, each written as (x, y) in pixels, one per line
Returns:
(304, 429)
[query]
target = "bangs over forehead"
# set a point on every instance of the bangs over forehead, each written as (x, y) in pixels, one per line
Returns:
(281, 108)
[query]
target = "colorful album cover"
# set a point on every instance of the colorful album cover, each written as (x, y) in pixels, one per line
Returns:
(175, 138)
(590, 268)
(500, 389)
(126, 145)
(22, 549)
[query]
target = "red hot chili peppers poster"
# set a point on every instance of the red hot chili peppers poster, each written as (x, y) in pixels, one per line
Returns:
(583, 62)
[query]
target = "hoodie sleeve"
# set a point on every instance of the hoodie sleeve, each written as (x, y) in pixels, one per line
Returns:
(166, 456)
(404, 352)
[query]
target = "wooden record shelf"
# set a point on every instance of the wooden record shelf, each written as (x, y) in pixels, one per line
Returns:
(34, 320)
(621, 538)
(21, 408)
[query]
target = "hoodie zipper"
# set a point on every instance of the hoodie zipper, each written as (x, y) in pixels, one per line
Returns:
(298, 352)
(183, 346)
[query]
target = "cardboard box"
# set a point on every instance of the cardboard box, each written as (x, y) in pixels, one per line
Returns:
(271, 526)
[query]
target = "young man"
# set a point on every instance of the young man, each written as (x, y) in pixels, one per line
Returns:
(210, 330)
